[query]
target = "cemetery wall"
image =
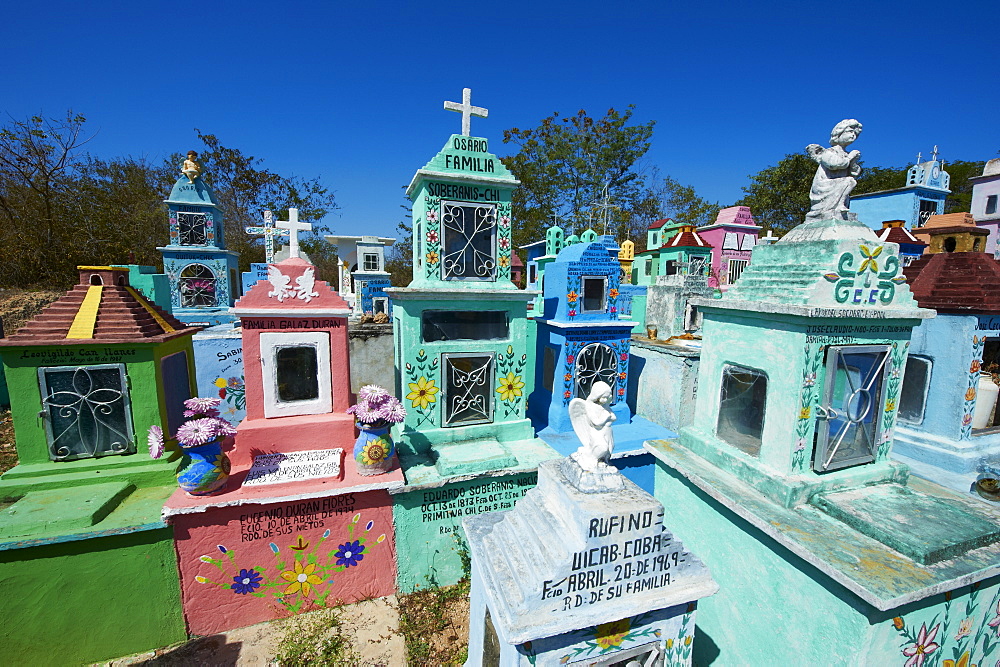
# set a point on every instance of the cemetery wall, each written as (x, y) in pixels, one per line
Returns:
(90, 600)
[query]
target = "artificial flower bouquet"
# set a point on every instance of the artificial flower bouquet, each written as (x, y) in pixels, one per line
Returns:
(203, 425)
(377, 408)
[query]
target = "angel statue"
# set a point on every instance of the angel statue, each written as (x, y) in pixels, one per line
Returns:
(592, 421)
(190, 168)
(836, 175)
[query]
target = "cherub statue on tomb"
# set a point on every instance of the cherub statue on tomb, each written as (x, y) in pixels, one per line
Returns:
(191, 169)
(836, 175)
(592, 420)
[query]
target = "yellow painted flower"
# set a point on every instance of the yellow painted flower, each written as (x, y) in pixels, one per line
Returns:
(221, 464)
(870, 262)
(504, 261)
(611, 635)
(221, 383)
(422, 393)
(670, 643)
(200, 579)
(897, 622)
(805, 412)
(510, 387)
(962, 661)
(375, 451)
(612, 293)
(890, 406)
(572, 297)
(970, 393)
(302, 579)
(964, 628)
(432, 258)
(687, 640)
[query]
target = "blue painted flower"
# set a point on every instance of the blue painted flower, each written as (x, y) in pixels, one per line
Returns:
(350, 553)
(222, 548)
(369, 526)
(246, 581)
(274, 547)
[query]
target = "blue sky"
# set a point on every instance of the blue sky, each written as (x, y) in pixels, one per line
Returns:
(353, 92)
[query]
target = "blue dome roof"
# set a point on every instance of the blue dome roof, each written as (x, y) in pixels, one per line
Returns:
(184, 192)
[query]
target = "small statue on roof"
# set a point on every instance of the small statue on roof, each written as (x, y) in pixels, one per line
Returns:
(190, 168)
(836, 175)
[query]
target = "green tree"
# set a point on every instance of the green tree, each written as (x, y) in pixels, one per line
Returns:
(578, 168)
(778, 196)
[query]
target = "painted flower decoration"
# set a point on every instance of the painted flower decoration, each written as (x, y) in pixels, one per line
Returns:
(350, 553)
(800, 445)
(374, 451)
(432, 237)
(503, 242)
(623, 375)
(572, 312)
(301, 578)
(961, 662)
(924, 646)
(221, 383)
(567, 377)
(970, 393)
(505, 221)
(805, 412)
(246, 581)
(612, 293)
(611, 635)
(221, 464)
(995, 623)
(504, 261)
(570, 358)
(566, 394)
(155, 440)
(871, 261)
(967, 419)
(976, 365)
(509, 387)
(890, 405)
(432, 216)
(623, 356)
(621, 391)
(897, 622)
(964, 628)
(809, 379)
(432, 258)
(422, 393)
(572, 297)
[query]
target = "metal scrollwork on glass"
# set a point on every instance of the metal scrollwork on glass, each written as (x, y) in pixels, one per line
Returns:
(197, 286)
(86, 411)
(193, 228)
(469, 389)
(596, 361)
(469, 244)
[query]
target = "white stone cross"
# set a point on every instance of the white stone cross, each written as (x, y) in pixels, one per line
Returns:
(269, 232)
(935, 153)
(920, 156)
(467, 110)
(294, 227)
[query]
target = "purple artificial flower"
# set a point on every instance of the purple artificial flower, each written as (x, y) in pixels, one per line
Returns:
(202, 405)
(211, 412)
(371, 391)
(396, 413)
(224, 427)
(155, 440)
(198, 432)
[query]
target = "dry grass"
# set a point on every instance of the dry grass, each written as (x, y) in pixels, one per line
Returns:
(8, 454)
(17, 308)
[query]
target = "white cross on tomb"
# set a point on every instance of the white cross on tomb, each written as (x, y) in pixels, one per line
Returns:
(294, 227)
(935, 153)
(269, 232)
(467, 110)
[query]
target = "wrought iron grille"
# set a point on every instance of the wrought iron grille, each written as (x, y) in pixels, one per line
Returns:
(197, 285)
(193, 228)
(596, 362)
(851, 405)
(469, 243)
(468, 389)
(86, 410)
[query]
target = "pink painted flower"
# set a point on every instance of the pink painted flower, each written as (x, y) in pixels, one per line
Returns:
(504, 242)
(624, 356)
(201, 405)
(995, 623)
(198, 432)
(432, 216)
(570, 359)
(614, 309)
(155, 440)
(432, 237)
(572, 312)
(921, 648)
(505, 221)
(967, 419)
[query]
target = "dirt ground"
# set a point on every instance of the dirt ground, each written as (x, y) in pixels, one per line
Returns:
(372, 628)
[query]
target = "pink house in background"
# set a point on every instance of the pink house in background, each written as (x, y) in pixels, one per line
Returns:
(732, 236)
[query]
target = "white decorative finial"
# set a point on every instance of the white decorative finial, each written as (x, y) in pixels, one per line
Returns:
(294, 227)
(935, 153)
(467, 110)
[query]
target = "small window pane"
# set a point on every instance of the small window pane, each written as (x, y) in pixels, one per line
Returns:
(371, 262)
(468, 243)
(192, 228)
(594, 297)
(468, 389)
(741, 408)
(197, 286)
(296, 373)
(991, 204)
(379, 306)
(913, 395)
(464, 325)
(927, 209)
(596, 362)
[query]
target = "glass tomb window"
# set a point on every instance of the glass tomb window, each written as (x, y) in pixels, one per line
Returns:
(849, 414)
(741, 408)
(991, 205)
(197, 286)
(464, 325)
(371, 261)
(193, 228)
(736, 267)
(594, 294)
(928, 208)
(913, 394)
(86, 411)
(296, 373)
(380, 305)
(468, 389)
(469, 243)
(596, 362)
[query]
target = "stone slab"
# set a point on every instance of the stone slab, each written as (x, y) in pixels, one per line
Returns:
(281, 467)
(925, 528)
(473, 456)
(62, 509)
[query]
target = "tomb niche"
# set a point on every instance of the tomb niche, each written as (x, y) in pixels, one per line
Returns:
(81, 511)
(463, 361)
(297, 527)
(784, 480)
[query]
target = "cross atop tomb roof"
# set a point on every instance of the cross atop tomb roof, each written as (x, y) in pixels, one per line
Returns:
(269, 232)
(467, 110)
(934, 155)
(294, 227)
